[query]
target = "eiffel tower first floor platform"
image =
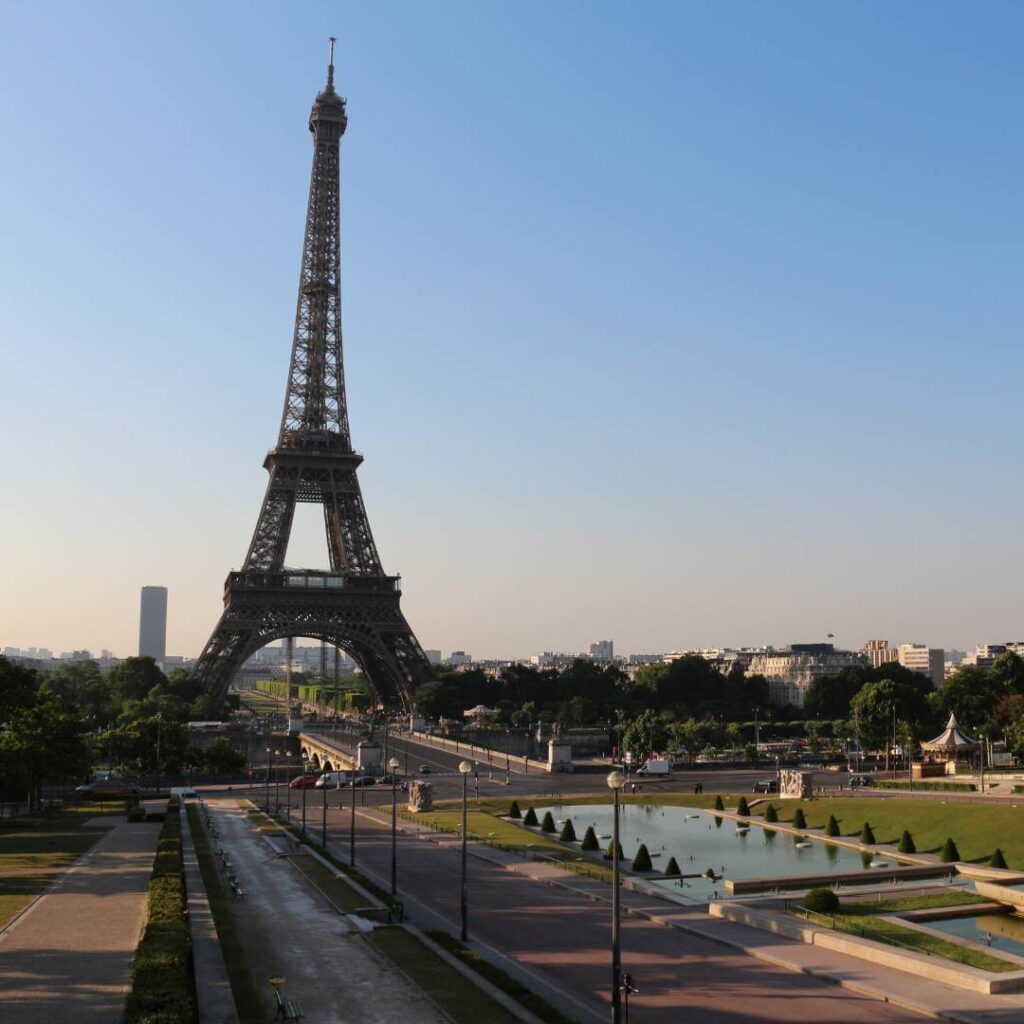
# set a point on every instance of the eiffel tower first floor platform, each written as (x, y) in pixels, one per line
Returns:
(359, 614)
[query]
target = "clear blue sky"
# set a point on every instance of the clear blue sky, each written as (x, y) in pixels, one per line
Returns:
(679, 323)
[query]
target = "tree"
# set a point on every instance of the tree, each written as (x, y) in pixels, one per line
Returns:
(221, 758)
(873, 706)
(568, 833)
(548, 824)
(997, 860)
(18, 687)
(672, 868)
(832, 827)
(830, 696)
(590, 840)
(799, 819)
(575, 712)
(906, 843)
(770, 814)
(437, 700)
(513, 811)
(134, 678)
(743, 808)
(642, 860)
(949, 852)
(530, 818)
(867, 835)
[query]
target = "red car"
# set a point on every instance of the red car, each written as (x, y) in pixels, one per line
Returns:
(303, 782)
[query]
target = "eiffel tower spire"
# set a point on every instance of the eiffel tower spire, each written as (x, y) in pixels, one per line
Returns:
(354, 605)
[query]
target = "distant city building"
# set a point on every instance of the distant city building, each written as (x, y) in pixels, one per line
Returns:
(929, 661)
(434, 657)
(791, 671)
(153, 623)
(878, 652)
(457, 658)
(644, 659)
(603, 650)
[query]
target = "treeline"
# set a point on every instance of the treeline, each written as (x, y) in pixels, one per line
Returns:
(55, 726)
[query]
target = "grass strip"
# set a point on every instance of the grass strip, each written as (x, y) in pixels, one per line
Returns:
(457, 995)
(341, 895)
(248, 1003)
(163, 988)
(890, 933)
(497, 977)
(925, 902)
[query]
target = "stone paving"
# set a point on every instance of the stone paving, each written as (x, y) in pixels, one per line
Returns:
(68, 957)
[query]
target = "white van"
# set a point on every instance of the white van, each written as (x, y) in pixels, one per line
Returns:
(184, 792)
(332, 780)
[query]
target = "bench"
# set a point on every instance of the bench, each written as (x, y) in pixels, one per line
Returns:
(287, 1009)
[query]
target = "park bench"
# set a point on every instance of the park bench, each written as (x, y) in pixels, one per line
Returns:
(287, 1009)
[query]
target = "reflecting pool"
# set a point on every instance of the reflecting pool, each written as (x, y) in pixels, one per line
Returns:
(700, 840)
(1003, 932)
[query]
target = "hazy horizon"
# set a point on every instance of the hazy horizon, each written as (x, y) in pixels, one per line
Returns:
(684, 325)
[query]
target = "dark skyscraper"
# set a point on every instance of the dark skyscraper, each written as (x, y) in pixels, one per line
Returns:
(153, 623)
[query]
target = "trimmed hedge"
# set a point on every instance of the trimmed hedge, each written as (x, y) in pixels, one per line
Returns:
(949, 851)
(743, 808)
(997, 860)
(938, 787)
(719, 806)
(821, 901)
(530, 817)
(162, 983)
(642, 860)
(513, 811)
(608, 851)
(867, 834)
(832, 827)
(799, 821)
(906, 843)
(590, 840)
(568, 833)
(672, 868)
(548, 824)
(770, 814)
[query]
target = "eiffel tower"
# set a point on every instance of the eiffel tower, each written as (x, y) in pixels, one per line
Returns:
(354, 605)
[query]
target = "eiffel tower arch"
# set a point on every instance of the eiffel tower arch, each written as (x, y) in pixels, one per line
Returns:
(355, 604)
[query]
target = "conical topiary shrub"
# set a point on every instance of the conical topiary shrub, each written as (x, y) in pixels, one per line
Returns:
(770, 814)
(672, 868)
(590, 842)
(949, 851)
(608, 851)
(719, 806)
(642, 860)
(997, 860)
(867, 834)
(548, 824)
(568, 833)
(743, 808)
(513, 811)
(530, 818)
(832, 826)
(799, 821)
(906, 843)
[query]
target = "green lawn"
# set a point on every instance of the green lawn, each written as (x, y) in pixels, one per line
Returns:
(35, 851)
(486, 828)
(928, 901)
(463, 1001)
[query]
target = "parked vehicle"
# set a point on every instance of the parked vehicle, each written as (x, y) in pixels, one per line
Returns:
(364, 780)
(424, 769)
(332, 780)
(105, 790)
(656, 766)
(766, 786)
(303, 782)
(184, 792)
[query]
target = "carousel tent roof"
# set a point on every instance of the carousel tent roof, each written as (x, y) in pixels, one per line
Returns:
(950, 739)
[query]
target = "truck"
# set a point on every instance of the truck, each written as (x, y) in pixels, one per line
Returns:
(655, 766)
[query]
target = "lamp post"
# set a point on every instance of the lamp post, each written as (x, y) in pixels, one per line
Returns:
(287, 780)
(464, 769)
(323, 820)
(616, 780)
(270, 768)
(393, 765)
(277, 784)
(352, 823)
(304, 772)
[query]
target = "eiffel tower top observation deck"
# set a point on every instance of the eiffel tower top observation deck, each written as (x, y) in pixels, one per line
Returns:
(355, 605)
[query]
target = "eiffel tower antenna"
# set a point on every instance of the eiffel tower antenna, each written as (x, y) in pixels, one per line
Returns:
(354, 605)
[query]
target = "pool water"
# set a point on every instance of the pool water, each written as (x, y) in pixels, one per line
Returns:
(699, 840)
(1003, 932)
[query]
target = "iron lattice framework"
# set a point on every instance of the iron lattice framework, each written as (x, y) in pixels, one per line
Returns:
(355, 605)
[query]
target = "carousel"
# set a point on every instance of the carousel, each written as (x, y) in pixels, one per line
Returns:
(942, 753)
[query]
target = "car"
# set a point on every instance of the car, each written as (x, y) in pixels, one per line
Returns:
(386, 780)
(332, 780)
(424, 769)
(303, 782)
(110, 788)
(364, 780)
(184, 792)
(766, 786)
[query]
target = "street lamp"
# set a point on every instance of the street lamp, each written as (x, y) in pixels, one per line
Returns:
(305, 770)
(270, 768)
(393, 765)
(324, 778)
(616, 780)
(464, 769)
(352, 823)
(277, 785)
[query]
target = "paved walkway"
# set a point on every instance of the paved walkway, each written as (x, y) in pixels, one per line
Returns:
(560, 933)
(288, 929)
(67, 958)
